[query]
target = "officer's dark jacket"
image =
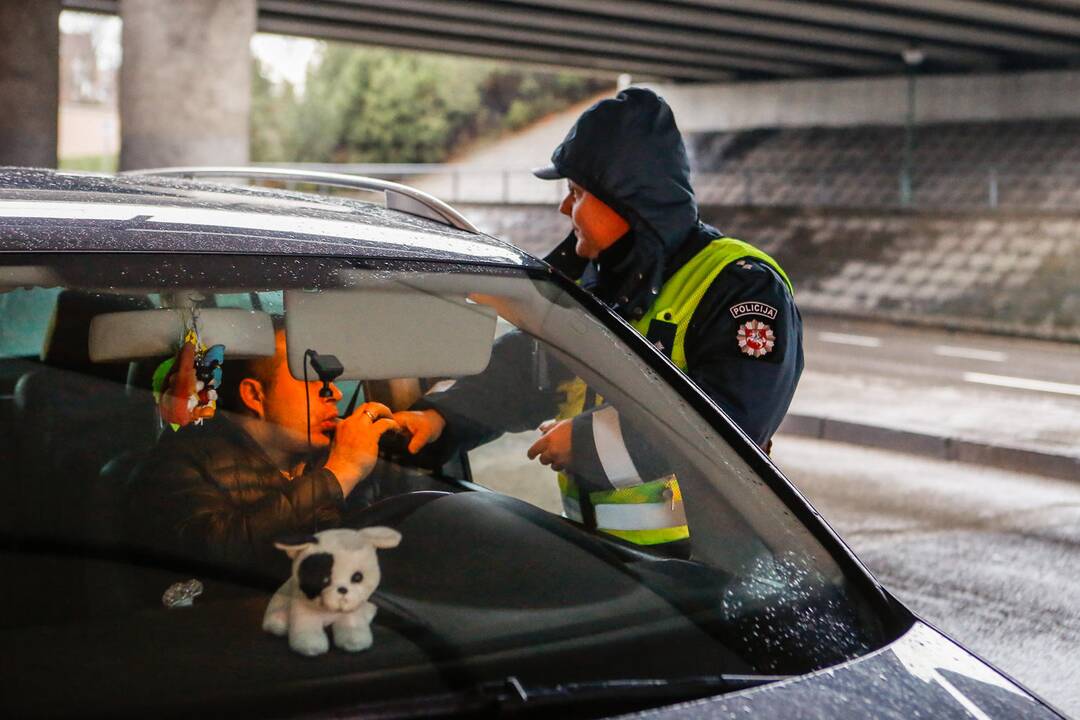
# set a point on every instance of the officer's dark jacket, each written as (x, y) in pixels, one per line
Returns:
(628, 152)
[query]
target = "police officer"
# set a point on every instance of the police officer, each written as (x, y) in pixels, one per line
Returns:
(722, 310)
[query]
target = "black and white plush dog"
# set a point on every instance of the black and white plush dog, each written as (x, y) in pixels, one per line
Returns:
(334, 572)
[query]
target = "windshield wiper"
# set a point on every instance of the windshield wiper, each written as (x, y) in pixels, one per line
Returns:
(511, 696)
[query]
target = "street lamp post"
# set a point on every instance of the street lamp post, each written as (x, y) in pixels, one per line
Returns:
(913, 58)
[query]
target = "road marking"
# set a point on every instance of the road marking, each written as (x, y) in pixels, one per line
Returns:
(970, 353)
(845, 339)
(1022, 383)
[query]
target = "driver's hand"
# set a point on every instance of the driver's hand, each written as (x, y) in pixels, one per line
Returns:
(554, 446)
(355, 447)
(425, 426)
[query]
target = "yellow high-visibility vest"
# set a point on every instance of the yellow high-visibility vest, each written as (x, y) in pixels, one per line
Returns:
(652, 513)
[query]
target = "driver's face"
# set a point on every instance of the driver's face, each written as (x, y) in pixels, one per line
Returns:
(285, 405)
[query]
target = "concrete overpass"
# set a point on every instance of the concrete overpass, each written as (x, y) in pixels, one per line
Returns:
(186, 69)
(695, 40)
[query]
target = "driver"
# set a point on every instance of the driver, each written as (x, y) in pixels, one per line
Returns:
(224, 490)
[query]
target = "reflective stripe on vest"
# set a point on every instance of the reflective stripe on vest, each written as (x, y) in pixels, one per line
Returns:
(646, 514)
(640, 516)
(652, 513)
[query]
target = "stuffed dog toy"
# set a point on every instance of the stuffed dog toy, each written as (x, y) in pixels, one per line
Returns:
(334, 572)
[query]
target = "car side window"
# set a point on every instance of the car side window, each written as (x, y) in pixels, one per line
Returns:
(234, 300)
(271, 301)
(24, 320)
(503, 466)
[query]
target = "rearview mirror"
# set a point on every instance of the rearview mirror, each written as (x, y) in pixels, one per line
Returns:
(139, 334)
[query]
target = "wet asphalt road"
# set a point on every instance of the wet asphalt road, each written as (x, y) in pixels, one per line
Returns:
(998, 391)
(934, 356)
(990, 557)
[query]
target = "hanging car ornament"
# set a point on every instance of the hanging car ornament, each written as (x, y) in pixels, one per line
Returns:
(185, 386)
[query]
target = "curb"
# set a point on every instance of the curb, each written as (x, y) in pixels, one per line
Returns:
(1064, 467)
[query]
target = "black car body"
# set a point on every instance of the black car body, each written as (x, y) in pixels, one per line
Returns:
(492, 604)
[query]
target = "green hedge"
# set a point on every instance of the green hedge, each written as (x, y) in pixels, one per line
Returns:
(375, 105)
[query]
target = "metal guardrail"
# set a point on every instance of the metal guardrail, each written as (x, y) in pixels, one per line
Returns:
(858, 185)
(457, 183)
(398, 196)
(861, 185)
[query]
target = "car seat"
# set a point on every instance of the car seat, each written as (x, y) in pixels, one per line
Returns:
(72, 417)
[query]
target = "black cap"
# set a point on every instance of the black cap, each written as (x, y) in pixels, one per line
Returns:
(548, 172)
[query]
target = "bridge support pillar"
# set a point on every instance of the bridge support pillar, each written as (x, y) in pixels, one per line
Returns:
(29, 81)
(185, 82)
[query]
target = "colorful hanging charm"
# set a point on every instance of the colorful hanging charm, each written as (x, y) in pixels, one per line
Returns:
(185, 386)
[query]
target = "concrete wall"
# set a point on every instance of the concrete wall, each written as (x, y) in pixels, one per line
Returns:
(1002, 272)
(185, 82)
(874, 101)
(29, 82)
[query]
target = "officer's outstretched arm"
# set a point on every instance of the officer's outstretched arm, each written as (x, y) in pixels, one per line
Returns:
(475, 409)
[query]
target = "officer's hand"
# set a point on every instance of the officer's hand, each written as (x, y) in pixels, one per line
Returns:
(425, 426)
(553, 447)
(355, 447)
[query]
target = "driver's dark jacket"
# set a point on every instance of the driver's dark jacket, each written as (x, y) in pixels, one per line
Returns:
(209, 493)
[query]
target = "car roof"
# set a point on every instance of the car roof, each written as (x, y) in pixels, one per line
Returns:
(50, 211)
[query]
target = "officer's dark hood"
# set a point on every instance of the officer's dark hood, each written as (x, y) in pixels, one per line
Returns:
(628, 152)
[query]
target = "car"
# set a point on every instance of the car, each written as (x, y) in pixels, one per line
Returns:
(496, 601)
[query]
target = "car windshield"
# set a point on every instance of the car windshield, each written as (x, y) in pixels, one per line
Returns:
(136, 478)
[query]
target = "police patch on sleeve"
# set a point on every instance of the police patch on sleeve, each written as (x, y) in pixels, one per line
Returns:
(752, 308)
(756, 338)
